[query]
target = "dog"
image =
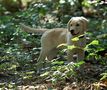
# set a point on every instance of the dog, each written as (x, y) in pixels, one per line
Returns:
(51, 38)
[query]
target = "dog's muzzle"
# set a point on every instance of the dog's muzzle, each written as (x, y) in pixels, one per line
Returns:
(73, 33)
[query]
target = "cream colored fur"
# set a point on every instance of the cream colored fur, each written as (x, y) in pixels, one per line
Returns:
(51, 38)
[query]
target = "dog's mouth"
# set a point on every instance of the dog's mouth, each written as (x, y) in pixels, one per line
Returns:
(74, 33)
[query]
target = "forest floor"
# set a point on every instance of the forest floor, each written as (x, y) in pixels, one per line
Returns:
(88, 79)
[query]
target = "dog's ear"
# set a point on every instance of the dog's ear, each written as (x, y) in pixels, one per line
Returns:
(85, 23)
(68, 25)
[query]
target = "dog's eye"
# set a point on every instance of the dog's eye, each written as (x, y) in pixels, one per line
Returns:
(77, 24)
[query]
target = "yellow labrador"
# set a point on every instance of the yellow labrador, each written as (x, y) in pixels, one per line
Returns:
(51, 38)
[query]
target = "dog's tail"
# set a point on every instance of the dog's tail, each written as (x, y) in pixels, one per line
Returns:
(32, 30)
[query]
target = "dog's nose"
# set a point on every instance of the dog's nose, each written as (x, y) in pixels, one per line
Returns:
(72, 31)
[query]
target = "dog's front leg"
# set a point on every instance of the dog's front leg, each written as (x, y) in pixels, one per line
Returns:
(69, 51)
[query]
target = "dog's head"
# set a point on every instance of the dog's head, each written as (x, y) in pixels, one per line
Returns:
(77, 25)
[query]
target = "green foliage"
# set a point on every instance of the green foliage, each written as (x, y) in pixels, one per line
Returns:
(104, 76)
(18, 59)
(60, 71)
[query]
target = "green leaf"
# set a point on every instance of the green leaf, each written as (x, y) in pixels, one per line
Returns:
(10, 86)
(79, 63)
(86, 4)
(104, 76)
(57, 63)
(75, 39)
(71, 47)
(27, 77)
(94, 42)
(12, 67)
(44, 74)
(31, 72)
